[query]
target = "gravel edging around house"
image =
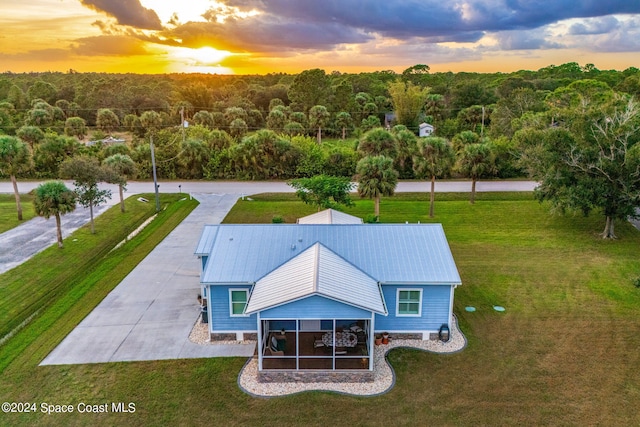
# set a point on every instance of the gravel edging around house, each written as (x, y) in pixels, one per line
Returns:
(384, 376)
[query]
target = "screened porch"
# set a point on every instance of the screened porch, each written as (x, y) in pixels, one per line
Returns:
(315, 344)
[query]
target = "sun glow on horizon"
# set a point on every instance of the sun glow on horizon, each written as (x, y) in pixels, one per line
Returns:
(201, 60)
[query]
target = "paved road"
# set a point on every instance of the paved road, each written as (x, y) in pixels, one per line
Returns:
(150, 314)
(21, 243)
(256, 187)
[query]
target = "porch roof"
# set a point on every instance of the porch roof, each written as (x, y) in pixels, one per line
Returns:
(317, 271)
(330, 216)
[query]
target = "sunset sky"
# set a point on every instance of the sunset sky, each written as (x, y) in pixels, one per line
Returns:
(263, 36)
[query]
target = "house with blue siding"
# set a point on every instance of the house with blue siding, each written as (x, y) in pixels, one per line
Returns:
(315, 296)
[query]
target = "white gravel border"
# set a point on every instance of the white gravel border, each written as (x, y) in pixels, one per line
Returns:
(384, 376)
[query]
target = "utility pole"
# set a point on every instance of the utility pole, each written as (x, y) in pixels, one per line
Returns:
(182, 123)
(482, 128)
(155, 178)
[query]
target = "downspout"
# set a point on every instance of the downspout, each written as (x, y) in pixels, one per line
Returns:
(371, 339)
(260, 349)
(450, 321)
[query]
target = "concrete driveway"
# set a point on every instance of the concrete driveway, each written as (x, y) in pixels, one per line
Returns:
(149, 315)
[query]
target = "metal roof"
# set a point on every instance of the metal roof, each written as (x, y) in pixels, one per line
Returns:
(207, 238)
(317, 271)
(330, 216)
(389, 253)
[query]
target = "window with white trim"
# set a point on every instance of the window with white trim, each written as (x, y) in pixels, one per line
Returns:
(409, 302)
(238, 301)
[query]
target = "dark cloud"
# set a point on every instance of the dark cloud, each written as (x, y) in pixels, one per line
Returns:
(267, 35)
(525, 40)
(431, 17)
(595, 26)
(326, 24)
(127, 12)
(625, 37)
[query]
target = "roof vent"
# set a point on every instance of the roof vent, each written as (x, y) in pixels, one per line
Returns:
(230, 238)
(293, 247)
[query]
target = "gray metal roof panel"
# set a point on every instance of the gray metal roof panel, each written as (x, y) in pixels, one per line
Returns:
(390, 253)
(207, 238)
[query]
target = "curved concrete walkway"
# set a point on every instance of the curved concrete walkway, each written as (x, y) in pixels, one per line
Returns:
(149, 315)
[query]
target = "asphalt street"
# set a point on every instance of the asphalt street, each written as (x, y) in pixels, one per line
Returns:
(256, 187)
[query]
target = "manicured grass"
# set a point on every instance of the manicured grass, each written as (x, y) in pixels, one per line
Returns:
(565, 351)
(9, 213)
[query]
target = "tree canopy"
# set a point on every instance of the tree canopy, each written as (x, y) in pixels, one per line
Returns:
(324, 191)
(55, 113)
(86, 173)
(15, 158)
(53, 198)
(598, 170)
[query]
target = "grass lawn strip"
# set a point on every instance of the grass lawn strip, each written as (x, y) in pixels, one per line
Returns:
(9, 212)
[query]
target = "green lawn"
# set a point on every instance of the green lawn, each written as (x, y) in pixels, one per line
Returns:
(9, 212)
(565, 351)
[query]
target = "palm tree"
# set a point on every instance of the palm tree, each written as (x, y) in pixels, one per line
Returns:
(107, 120)
(475, 161)
(378, 142)
(434, 160)
(318, 118)
(122, 167)
(54, 198)
(343, 121)
(376, 177)
(194, 156)
(15, 157)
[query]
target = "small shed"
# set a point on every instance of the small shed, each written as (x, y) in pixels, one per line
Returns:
(425, 129)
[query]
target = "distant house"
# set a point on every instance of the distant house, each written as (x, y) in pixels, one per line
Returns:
(314, 294)
(110, 140)
(389, 120)
(425, 129)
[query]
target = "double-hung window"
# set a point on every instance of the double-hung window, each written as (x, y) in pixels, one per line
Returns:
(409, 302)
(238, 301)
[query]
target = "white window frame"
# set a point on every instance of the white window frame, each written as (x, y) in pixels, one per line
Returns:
(398, 314)
(231, 291)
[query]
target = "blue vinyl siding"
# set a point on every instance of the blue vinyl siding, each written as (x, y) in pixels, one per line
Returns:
(315, 307)
(435, 309)
(221, 320)
(204, 259)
